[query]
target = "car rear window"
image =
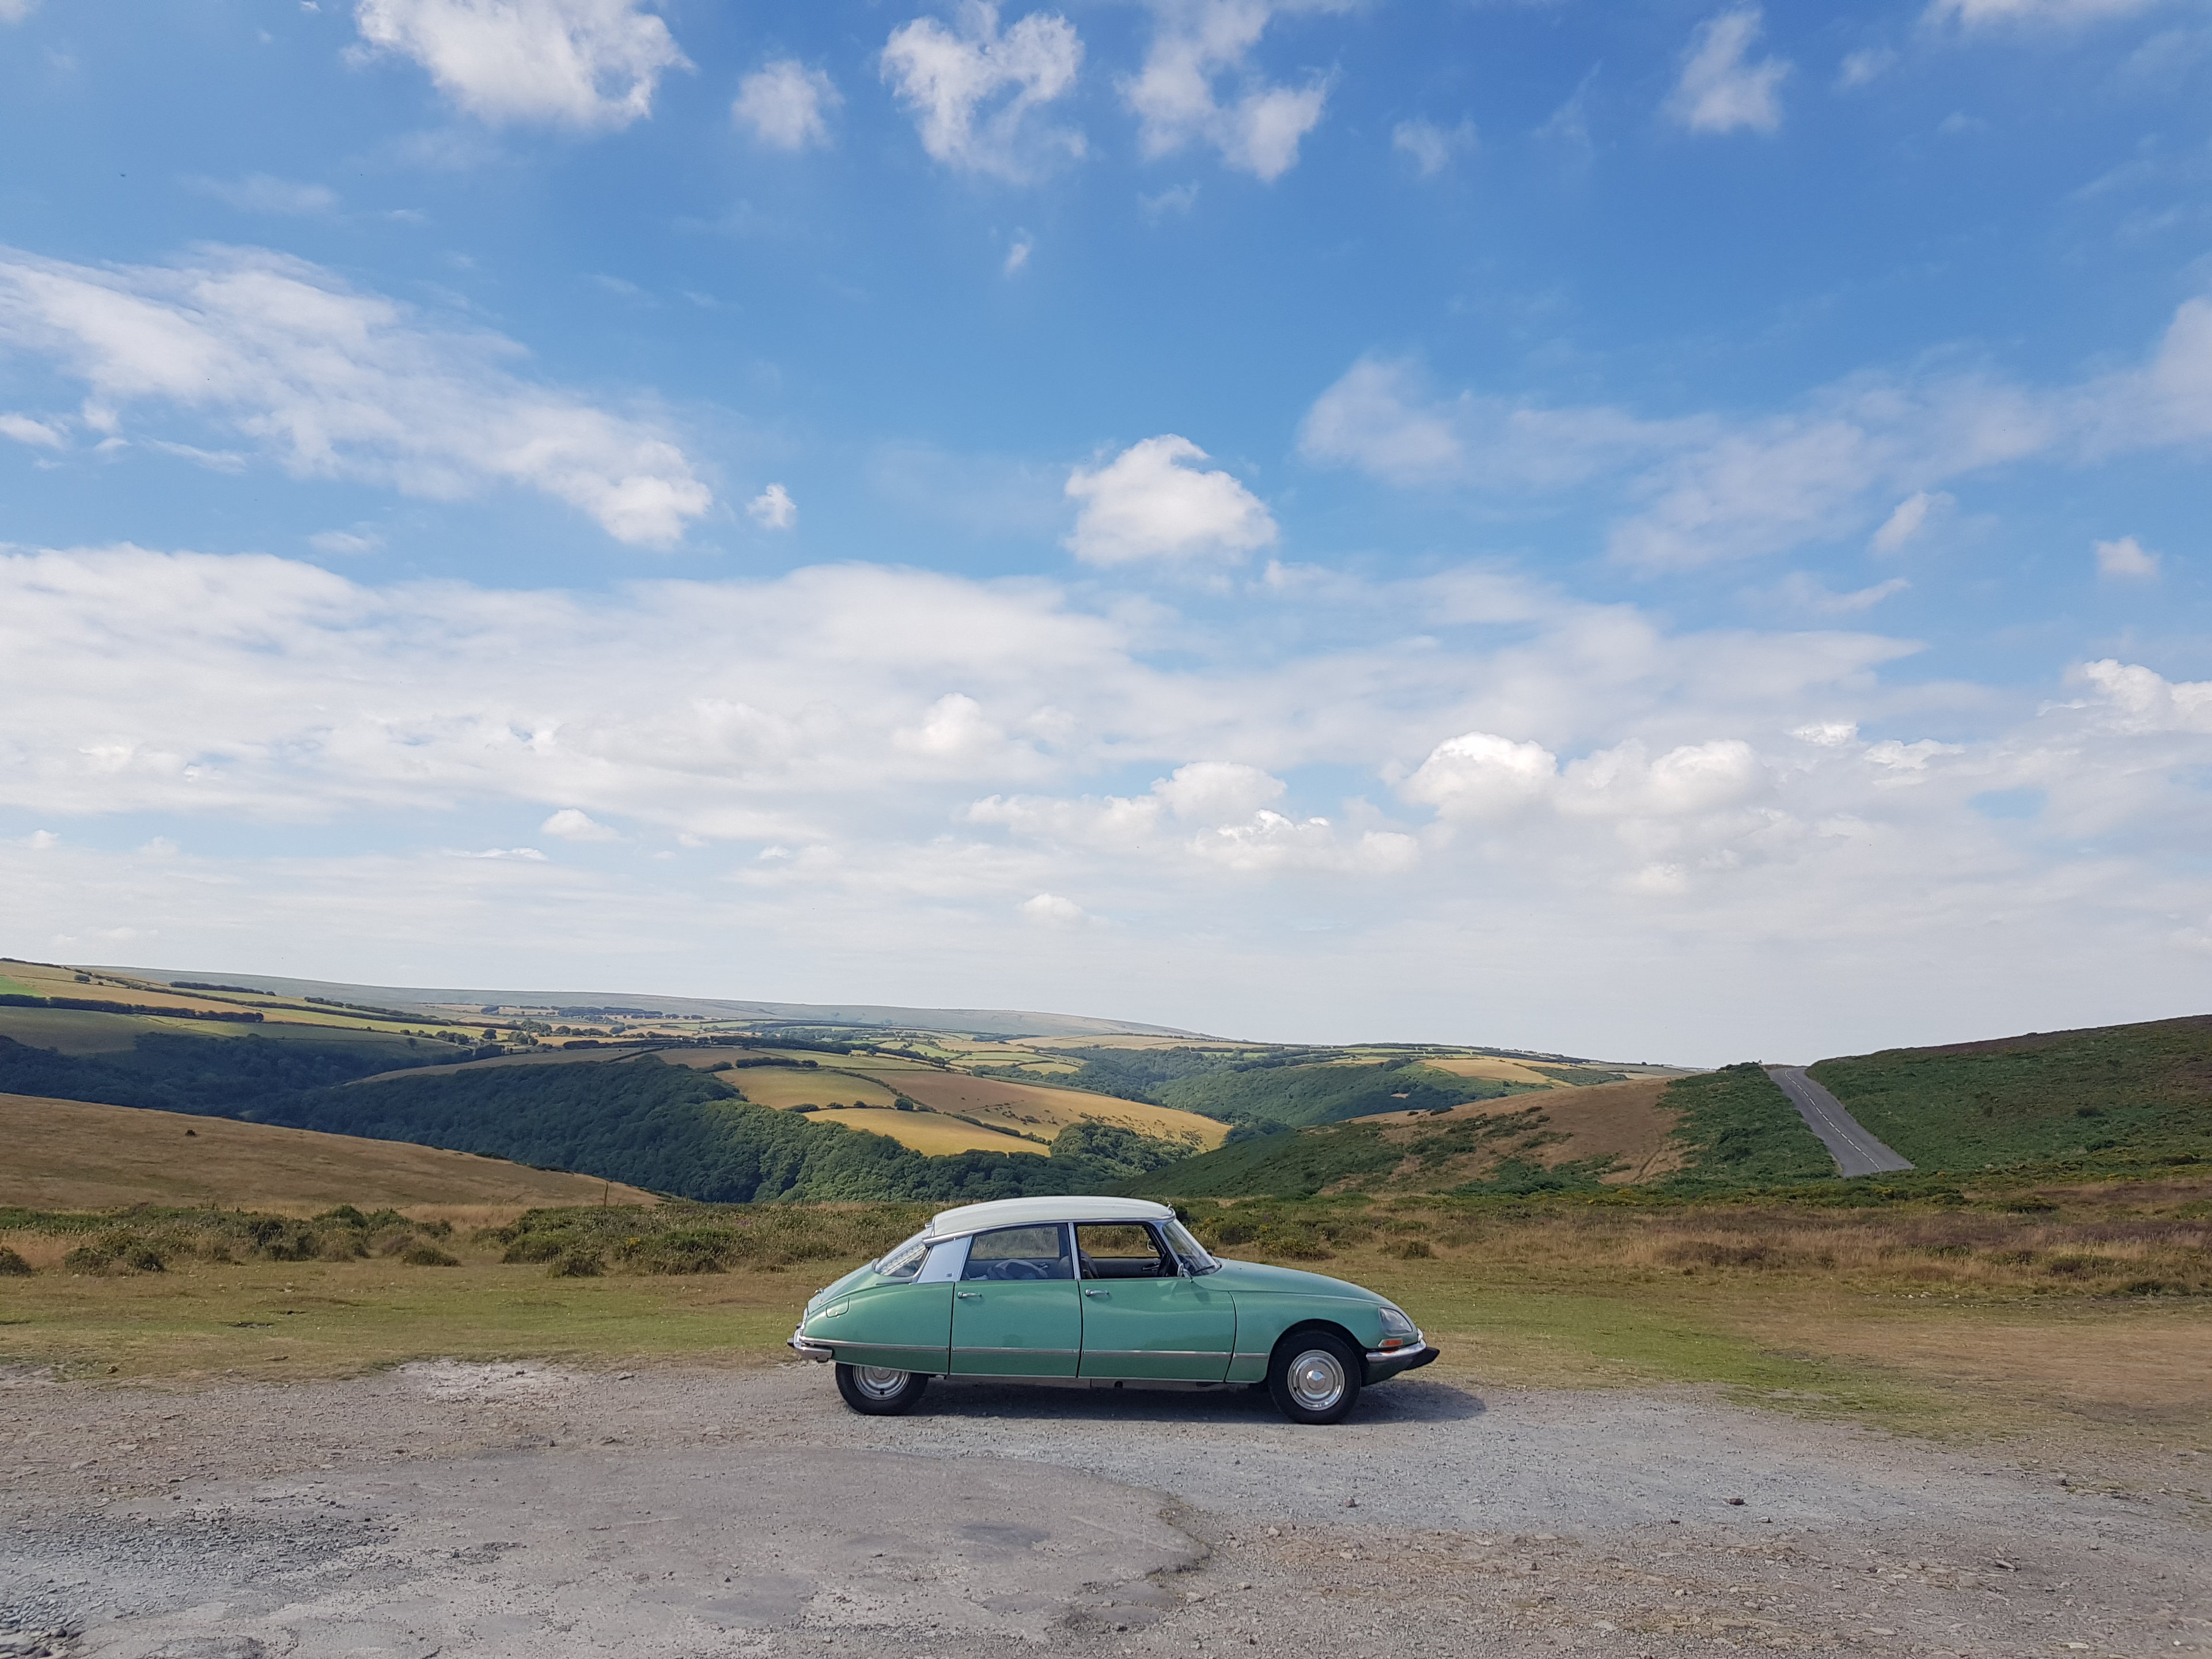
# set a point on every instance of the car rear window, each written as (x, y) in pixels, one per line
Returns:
(1018, 1253)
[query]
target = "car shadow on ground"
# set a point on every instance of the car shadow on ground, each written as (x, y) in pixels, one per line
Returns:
(1400, 1401)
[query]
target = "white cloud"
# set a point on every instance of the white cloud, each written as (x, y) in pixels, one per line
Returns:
(331, 381)
(527, 855)
(1383, 418)
(1050, 910)
(1149, 502)
(974, 90)
(786, 105)
(1433, 148)
(1560, 794)
(259, 192)
(586, 64)
(344, 543)
(1973, 14)
(773, 508)
(43, 841)
(2126, 558)
(40, 434)
(1803, 592)
(1720, 90)
(15, 11)
(572, 824)
(1868, 64)
(1196, 43)
(1018, 255)
(1912, 516)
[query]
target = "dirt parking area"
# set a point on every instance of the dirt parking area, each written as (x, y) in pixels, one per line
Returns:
(522, 1509)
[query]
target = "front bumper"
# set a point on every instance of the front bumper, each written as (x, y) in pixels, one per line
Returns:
(1389, 1362)
(810, 1347)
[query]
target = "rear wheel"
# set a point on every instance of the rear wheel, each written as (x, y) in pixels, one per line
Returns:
(1314, 1376)
(876, 1391)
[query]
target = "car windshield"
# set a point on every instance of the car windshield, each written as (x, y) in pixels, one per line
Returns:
(904, 1260)
(1194, 1256)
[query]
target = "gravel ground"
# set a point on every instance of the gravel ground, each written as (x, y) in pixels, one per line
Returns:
(521, 1509)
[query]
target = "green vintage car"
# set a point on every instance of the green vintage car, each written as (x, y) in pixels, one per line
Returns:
(1099, 1291)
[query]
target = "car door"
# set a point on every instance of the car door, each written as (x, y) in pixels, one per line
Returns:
(1143, 1317)
(1015, 1311)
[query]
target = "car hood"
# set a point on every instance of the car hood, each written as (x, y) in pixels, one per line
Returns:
(1258, 1276)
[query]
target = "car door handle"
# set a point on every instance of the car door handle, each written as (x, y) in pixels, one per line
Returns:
(1097, 1293)
(970, 1295)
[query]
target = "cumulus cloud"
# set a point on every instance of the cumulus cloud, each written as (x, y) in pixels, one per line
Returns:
(15, 11)
(1177, 96)
(1433, 148)
(584, 63)
(331, 381)
(975, 92)
(787, 106)
(773, 508)
(573, 823)
(1051, 910)
(1720, 89)
(2126, 558)
(1559, 794)
(1150, 503)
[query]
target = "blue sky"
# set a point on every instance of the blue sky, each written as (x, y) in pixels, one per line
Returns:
(1658, 529)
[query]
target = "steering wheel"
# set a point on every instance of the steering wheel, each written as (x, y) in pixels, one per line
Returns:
(1017, 1269)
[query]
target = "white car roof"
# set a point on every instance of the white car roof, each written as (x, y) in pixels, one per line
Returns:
(1032, 1212)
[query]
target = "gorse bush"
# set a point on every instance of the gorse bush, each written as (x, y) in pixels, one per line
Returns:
(149, 1239)
(701, 1238)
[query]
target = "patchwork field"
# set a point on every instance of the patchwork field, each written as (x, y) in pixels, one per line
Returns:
(928, 1132)
(1045, 1111)
(1494, 1070)
(67, 1154)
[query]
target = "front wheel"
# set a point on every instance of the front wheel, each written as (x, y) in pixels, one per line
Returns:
(1314, 1377)
(874, 1391)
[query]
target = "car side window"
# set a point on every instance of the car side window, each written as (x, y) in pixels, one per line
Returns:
(904, 1261)
(1121, 1250)
(1019, 1253)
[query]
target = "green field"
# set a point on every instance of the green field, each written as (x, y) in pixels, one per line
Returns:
(2111, 1092)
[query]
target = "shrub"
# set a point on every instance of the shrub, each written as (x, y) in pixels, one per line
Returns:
(1411, 1249)
(429, 1256)
(12, 1266)
(577, 1261)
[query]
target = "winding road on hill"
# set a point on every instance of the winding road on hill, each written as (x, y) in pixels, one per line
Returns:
(1856, 1151)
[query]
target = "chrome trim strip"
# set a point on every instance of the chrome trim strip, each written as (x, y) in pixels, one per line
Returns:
(1155, 1354)
(1056, 1352)
(902, 1348)
(1406, 1352)
(807, 1347)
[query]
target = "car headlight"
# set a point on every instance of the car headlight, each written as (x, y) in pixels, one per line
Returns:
(1398, 1331)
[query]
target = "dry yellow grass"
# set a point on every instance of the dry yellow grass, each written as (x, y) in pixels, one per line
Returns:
(1045, 1111)
(783, 1088)
(70, 1154)
(1623, 1120)
(929, 1134)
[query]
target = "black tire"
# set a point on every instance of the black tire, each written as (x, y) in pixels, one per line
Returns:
(1314, 1377)
(872, 1391)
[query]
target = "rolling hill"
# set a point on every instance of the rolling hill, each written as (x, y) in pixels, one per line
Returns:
(72, 1155)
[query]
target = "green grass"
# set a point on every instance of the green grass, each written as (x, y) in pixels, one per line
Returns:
(2113, 1094)
(1741, 1130)
(1302, 1095)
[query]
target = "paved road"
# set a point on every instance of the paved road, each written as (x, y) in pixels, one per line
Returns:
(1856, 1151)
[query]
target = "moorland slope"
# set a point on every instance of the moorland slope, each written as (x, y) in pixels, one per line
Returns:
(73, 1154)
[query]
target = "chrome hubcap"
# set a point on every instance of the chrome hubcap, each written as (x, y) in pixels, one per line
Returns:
(877, 1383)
(1316, 1379)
